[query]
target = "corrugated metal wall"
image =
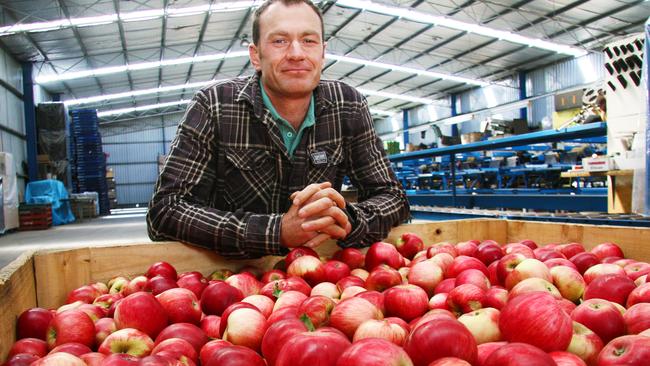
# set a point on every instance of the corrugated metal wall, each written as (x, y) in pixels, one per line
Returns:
(12, 116)
(133, 155)
(575, 72)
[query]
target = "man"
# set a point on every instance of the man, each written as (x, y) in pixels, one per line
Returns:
(257, 162)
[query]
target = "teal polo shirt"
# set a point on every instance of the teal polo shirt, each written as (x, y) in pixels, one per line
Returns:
(289, 135)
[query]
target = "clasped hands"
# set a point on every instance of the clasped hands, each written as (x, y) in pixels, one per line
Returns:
(316, 215)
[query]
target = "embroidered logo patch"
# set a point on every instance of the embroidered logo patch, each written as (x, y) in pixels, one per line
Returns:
(319, 158)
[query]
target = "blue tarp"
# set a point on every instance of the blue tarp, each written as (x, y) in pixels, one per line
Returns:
(53, 192)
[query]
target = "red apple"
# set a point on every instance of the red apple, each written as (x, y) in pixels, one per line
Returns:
(406, 301)
(72, 348)
(439, 301)
(93, 358)
(272, 275)
(317, 309)
(605, 250)
(474, 277)
(117, 284)
(445, 286)
(584, 260)
(120, 359)
(465, 298)
(210, 348)
(602, 269)
(178, 347)
(298, 252)
(507, 264)
(195, 282)
(483, 324)
(394, 330)
(534, 285)
(585, 343)
(570, 249)
(442, 247)
(569, 282)
(139, 283)
(383, 277)
(639, 294)
(130, 341)
(462, 263)
(162, 269)
(235, 356)
(537, 319)
(181, 305)
(220, 274)
(299, 350)
(104, 327)
(245, 327)
(629, 350)
(636, 270)
(602, 317)
(218, 296)
(486, 349)
(353, 257)
(409, 244)
(21, 359)
(105, 301)
(33, 323)
(562, 358)
(559, 262)
(443, 260)
(261, 302)
(383, 253)
(326, 289)
(335, 270)
(527, 268)
(288, 299)
(158, 360)
(637, 318)
(375, 297)
(159, 284)
(374, 351)
(352, 312)
(86, 293)
(309, 268)
(186, 331)
(289, 312)
(59, 359)
(519, 354)
(277, 335)
(433, 314)
(348, 281)
(33, 346)
(141, 311)
(615, 288)
(488, 252)
(439, 338)
(71, 326)
(468, 248)
(512, 248)
(210, 325)
(245, 282)
(495, 297)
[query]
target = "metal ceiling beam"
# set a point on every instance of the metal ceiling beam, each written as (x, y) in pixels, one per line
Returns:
(77, 36)
(116, 5)
(163, 41)
(234, 41)
(338, 29)
(199, 42)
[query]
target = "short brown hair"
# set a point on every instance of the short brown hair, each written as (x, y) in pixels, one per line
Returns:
(266, 4)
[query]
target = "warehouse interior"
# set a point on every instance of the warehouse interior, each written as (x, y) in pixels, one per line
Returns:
(486, 108)
(478, 196)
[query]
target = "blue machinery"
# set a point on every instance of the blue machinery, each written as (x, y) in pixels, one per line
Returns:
(493, 187)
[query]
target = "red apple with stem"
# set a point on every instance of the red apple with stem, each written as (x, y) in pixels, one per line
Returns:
(317, 309)
(629, 350)
(585, 343)
(335, 270)
(272, 275)
(409, 244)
(383, 253)
(130, 341)
(71, 326)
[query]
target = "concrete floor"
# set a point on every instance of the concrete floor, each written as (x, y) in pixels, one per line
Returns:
(122, 227)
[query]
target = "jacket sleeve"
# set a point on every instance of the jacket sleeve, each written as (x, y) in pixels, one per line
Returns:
(382, 202)
(180, 207)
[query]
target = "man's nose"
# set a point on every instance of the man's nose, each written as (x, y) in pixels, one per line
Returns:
(296, 50)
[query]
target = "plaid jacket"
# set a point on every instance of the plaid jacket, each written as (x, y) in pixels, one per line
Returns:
(228, 177)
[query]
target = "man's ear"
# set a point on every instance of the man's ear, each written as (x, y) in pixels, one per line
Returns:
(253, 54)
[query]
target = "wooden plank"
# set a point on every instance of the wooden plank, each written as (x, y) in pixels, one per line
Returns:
(59, 272)
(17, 293)
(619, 194)
(543, 233)
(482, 229)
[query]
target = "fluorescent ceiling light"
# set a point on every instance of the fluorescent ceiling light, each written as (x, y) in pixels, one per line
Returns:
(135, 93)
(114, 112)
(127, 17)
(407, 98)
(408, 70)
(137, 66)
(382, 112)
(410, 14)
(221, 56)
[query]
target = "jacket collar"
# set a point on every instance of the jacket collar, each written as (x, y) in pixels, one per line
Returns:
(250, 92)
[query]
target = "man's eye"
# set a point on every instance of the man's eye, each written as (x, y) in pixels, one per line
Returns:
(279, 41)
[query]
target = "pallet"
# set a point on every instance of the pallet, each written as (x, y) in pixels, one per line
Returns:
(34, 217)
(44, 278)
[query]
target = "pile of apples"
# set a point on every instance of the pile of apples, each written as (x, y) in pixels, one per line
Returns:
(471, 303)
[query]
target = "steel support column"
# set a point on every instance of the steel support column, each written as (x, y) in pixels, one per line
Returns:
(30, 121)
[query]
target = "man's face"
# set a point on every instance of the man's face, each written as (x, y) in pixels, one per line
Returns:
(290, 52)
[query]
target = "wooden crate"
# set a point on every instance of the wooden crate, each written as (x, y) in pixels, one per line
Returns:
(44, 278)
(34, 216)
